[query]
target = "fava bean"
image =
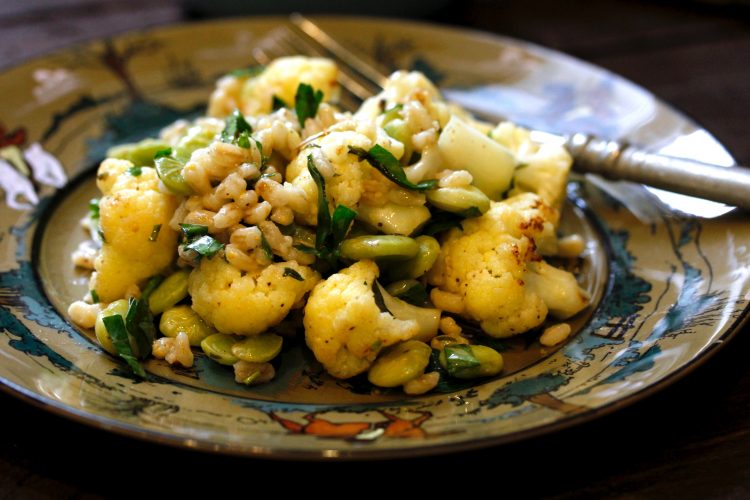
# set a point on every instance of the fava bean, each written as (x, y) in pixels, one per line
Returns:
(172, 290)
(196, 137)
(486, 363)
(428, 252)
(102, 335)
(400, 364)
(219, 348)
(468, 200)
(141, 154)
(184, 319)
(399, 130)
(259, 348)
(379, 247)
(169, 171)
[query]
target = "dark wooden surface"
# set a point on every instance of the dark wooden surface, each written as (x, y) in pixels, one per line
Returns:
(691, 440)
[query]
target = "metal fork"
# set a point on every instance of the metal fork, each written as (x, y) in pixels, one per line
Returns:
(360, 79)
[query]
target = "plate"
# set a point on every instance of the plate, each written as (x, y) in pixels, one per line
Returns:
(669, 288)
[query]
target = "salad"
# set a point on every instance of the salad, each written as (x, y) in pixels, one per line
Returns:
(383, 234)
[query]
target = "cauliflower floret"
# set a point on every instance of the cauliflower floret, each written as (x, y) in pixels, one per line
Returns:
(344, 326)
(486, 265)
(544, 167)
(558, 288)
(130, 212)
(240, 303)
(281, 78)
(401, 87)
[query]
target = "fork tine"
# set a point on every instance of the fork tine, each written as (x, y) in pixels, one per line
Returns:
(366, 69)
(284, 42)
(348, 76)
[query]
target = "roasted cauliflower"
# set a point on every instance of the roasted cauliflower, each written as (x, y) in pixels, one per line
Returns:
(486, 265)
(247, 304)
(344, 327)
(134, 221)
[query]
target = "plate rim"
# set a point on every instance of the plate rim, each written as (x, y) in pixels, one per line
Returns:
(424, 448)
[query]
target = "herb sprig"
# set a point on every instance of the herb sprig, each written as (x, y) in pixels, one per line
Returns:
(331, 229)
(306, 102)
(387, 164)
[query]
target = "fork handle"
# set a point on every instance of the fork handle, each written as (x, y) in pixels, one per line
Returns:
(615, 160)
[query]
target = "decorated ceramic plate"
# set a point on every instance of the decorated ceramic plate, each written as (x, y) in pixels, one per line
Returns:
(667, 287)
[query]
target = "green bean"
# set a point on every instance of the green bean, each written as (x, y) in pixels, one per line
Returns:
(429, 249)
(219, 348)
(379, 247)
(259, 348)
(102, 335)
(488, 362)
(468, 200)
(184, 319)
(170, 173)
(172, 290)
(400, 364)
(141, 154)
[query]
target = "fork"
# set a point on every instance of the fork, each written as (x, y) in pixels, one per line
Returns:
(360, 79)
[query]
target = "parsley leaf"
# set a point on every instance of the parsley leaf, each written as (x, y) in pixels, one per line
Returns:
(192, 231)
(162, 153)
(205, 246)
(94, 296)
(341, 221)
(139, 322)
(118, 333)
(277, 103)
(459, 357)
(331, 230)
(288, 271)
(234, 125)
(306, 102)
(135, 171)
(94, 208)
(324, 215)
(382, 160)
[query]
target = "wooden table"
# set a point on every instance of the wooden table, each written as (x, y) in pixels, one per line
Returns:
(691, 440)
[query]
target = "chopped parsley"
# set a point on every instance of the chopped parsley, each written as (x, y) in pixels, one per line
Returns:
(459, 357)
(288, 271)
(94, 208)
(235, 126)
(162, 153)
(278, 103)
(387, 164)
(135, 171)
(118, 333)
(306, 102)
(94, 296)
(192, 231)
(205, 246)
(331, 230)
